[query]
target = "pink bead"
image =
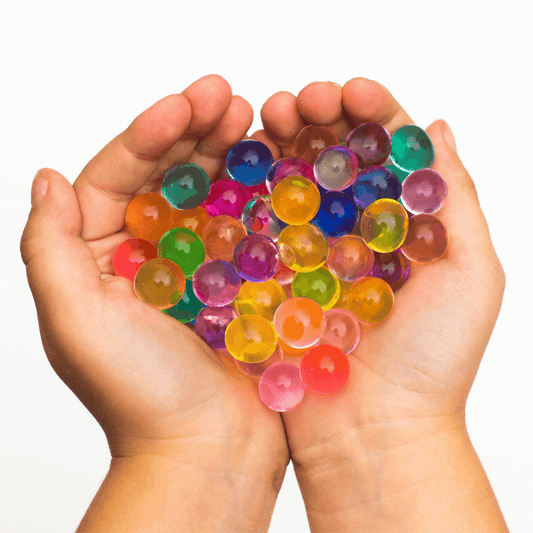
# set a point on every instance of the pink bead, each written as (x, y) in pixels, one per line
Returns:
(342, 330)
(350, 258)
(256, 369)
(424, 191)
(226, 197)
(281, 387)
(288, 166)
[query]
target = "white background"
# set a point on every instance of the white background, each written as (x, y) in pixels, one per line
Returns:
(75, 74)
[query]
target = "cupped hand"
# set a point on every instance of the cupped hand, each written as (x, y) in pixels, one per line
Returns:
(148, 380)
(419, 364)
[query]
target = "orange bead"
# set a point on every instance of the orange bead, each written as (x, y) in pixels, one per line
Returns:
(221, 234)
(312, 140)
(148, 216)
(370, 300)
(194, 219)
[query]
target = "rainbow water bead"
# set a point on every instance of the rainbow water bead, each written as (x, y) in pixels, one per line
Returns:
(370, 300)
(188, 307)
(130, 255)
(256, 369)
(184, 247)
(211, 324)
(350, 258)
(384, 225)
(185, 186)
(371, 143)
(251, 338)
(216, 283)
(281, 387)
(342, 330)
(261, 299)
(160, 283)
(249, 161)
(337, 214)
(325, 368)
(148, 216)
(256, 258)
(311, 140)
(424, 192)
(258, 217)
(227, 197)
(412, 148)
(295, 200)
(336, 168)
(427, 239)
(194, 219)
(303, 248)
(288, 166)
(374, 183)
(221, 235)
(320, 285)
(392, 267)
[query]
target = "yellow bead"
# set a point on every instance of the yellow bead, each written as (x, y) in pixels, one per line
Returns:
(295, 200)
(251, 338)
(370, 300)
(303, 248)
(384, 225)
(260, 298)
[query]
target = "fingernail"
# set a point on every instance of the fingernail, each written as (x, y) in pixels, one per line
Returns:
(39, 187)
(448, 135)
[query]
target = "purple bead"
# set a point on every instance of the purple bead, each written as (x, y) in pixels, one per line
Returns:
(424, 192)
(288, 166)
(226, 197)
(391, 267)
(211, 324)
(374, 183)
(371, 143)
(256, 258)
(216, 283)
(281, 387)
(335, 168)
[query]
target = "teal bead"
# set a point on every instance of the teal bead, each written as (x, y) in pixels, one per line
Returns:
(412, 148)
(184, 247)
(185, 186)
(188, 307)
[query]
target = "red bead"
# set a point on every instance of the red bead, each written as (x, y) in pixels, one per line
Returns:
(325, 368)
(130, 255)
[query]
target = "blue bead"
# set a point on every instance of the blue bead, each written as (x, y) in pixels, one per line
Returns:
(337, 214)
(374, 183)
(249, 162)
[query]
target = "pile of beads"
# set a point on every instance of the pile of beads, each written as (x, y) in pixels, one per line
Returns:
(287, 258)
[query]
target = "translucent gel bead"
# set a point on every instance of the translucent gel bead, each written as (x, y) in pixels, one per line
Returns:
(194, 219)
(384, 225)
(284, 275)
(295, 200)
(321, 286)
(412, 148)
(249, 161)
(216, 283)
(424, 192)
(211, 324)
(290, 351)
(342, 302)
(303, 248)
(256, 369)
(374, 183)
(335, 168)
(258, 217)
(311, 140)
(299, 322)
(427, 239)
(256, 258)
(251, 338)
(370, 300)
(342, 330)
(288, 166)
(130, 255)
(281, 387)
(184, 247)
(398, 172)
(337, 214)
(258, 190)
(350, 258)
(188, 307)
(371, 143)
(325, 368)
(392, 267)
(226, 197)
(160, 283)
(185, 186)
(148, 216)
(221, 234)
(260, 298)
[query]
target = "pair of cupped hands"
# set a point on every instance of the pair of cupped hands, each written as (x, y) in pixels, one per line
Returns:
(153, 385)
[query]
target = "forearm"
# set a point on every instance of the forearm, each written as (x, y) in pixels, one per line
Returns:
(430, 481)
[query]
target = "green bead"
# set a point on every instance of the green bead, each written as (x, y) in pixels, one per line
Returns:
(184, 247)
(188, 307)
(185, 186)
(321, 286)
(412, 148)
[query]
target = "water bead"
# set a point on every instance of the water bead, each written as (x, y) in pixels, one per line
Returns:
(284, 274)
(299, 322)
(342, 330)
(248, 162)
(311, 140)
(184, 247)
(281, 387)
(221, 234)
(427, 239)
(374, 183)
(259, 217)
(148, 216)
(211, 324)
(392, 267)
(412, 148)
(398, 172)
(350, 258)
(384, 225)
(370, 300)
(321, 286)
(188, 307)
(258, 190)
(288, 166)
(290, 351)
(251, 338)
(325, 368)
(303, 248)
(256, 369)
(337, 214)
(342, 302)
(185, 186)
(424, 192)
(160, 283)
(226, 197)
(194, 219)
(295, 200)
(371, 143)
(335, 168)
(216, 283)
(256, 258)
(260, 298)
(130, 255)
